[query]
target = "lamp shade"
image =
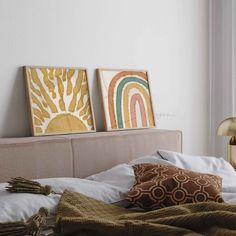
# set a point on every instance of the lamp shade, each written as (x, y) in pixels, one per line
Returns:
(227, 127)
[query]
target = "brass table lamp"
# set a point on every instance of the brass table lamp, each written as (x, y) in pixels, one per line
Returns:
(228, 128)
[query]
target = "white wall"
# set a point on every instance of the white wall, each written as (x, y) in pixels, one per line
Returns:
(169, 38)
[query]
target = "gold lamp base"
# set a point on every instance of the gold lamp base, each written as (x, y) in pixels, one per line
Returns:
(232, 151)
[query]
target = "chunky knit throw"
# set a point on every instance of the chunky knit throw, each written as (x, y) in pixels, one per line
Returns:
(81, 215)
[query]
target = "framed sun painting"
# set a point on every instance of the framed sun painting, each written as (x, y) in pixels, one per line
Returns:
(126, 99)
(59, 100)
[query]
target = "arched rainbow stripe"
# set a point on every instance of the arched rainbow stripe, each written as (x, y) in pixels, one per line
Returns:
(122, 110)
(119, 94)
(126, 101)
(137, 98)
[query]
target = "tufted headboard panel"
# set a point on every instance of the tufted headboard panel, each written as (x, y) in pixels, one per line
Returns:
(80, 155)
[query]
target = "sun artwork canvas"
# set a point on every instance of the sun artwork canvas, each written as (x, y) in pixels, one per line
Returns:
(59, 100)
(126, 99)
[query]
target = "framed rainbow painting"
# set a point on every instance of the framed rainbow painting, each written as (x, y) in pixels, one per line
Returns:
(126, 99)
(59, 100)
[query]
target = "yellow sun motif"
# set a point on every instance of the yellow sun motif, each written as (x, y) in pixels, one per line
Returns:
(59, 100)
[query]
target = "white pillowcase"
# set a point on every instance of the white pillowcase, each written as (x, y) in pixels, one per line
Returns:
(20, 206)
(123, 175)
(120, 176)
(204, 164)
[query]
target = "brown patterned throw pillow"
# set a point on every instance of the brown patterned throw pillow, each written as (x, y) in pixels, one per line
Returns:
(165, 185)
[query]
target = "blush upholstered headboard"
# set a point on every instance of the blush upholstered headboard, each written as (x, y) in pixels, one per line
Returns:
(80, 155)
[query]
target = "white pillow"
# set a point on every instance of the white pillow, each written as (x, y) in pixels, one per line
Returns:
(122, 175)
(20, 206)
(205, 164)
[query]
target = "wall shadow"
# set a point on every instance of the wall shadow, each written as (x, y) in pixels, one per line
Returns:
(16, 120)
(97, 104)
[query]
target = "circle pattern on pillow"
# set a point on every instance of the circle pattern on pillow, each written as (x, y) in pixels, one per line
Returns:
(160, 186)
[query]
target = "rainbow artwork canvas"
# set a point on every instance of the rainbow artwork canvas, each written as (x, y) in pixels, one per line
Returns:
(59, 100)
(126, 99)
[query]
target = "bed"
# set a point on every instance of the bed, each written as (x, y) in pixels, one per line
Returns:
(94, 170)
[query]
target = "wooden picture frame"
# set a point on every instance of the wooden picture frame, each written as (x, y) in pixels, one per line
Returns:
(59, 100)
(126, 99)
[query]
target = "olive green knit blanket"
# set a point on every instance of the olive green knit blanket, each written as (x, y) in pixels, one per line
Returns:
(81, 215)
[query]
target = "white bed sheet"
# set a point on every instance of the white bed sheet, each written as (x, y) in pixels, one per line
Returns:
(229, 197)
